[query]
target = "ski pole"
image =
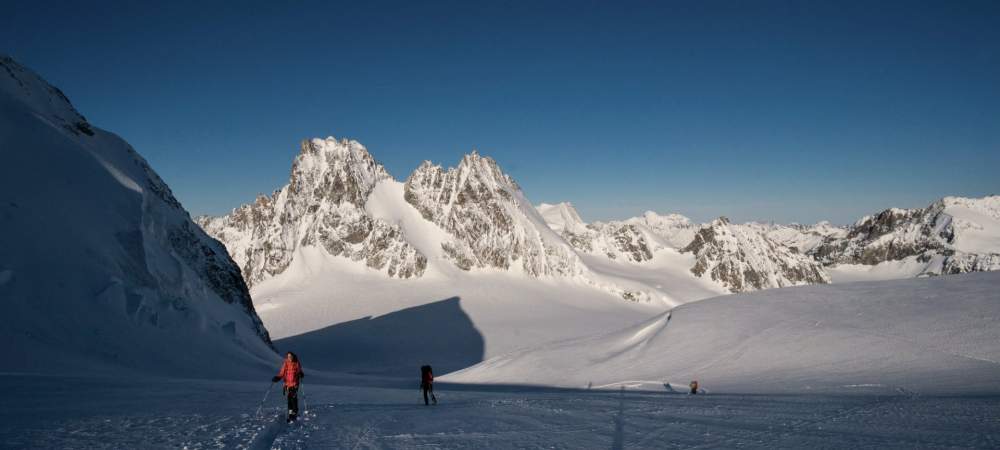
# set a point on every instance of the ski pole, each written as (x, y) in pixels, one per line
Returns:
(261, 405)
(305, 403)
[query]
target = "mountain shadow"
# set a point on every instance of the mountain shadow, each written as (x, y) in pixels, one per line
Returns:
(396, 344)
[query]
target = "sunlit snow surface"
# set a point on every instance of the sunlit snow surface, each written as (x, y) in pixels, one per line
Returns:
(900, 364)
(935, 335)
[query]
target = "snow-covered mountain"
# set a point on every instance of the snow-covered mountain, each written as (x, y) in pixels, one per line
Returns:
(322, 205)
(491, 223)
(100, 266)
(951, 235)
(671, 230)
(801, 238)
(633, 240)
(740, 258)
(469, 217)
(744, 259)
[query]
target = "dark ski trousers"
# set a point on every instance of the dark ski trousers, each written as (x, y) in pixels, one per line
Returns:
(293, 402)
(428, 387)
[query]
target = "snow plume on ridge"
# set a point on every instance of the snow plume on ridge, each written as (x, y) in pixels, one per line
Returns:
(322, 205)
(101, 266)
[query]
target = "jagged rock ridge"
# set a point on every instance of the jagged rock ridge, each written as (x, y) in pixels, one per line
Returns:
(323, 204)
(492, 223)
(952, 235)
(742, 259)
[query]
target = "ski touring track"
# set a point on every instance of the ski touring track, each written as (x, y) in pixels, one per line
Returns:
(150, 413)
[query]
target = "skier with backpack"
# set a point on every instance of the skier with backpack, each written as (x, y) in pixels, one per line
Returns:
(427, 383)
(291, 373)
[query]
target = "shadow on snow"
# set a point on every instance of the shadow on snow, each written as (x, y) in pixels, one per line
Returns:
(397, 344)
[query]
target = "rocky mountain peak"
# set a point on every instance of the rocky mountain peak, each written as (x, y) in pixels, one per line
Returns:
(951, 235)
(322, 205)
(492, 223)
(742, 258)
(335, 171)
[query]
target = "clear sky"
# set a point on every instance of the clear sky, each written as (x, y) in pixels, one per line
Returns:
(758, 110)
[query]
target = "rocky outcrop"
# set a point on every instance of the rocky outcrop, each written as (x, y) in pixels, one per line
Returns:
(322, 205)
(742, 259)
(617, 241)
(632, 240)
(491, 222)
(952, 235)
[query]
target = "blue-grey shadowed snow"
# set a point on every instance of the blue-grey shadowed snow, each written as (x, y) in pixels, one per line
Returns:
(440, 334)
(138, 412)
(618, 443)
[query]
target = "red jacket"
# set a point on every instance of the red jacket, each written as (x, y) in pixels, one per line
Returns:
(291, 372)
(428, 377)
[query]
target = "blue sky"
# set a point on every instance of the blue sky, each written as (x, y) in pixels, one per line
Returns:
(788, 111)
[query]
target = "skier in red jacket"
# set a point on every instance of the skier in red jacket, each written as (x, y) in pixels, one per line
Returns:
(427, 383)
(291, 372)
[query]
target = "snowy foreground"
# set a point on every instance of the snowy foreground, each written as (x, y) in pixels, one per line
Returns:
(62, 412)
(901, 364)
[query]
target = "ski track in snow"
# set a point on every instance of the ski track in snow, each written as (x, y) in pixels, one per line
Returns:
(110, 413)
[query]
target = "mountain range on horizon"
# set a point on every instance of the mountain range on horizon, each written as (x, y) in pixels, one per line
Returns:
(476, 217)
(500, 226)
(345, 240)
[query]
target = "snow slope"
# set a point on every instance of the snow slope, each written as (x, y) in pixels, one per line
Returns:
(101, 268)
(348, 317)
(936, 335)
(561, 216)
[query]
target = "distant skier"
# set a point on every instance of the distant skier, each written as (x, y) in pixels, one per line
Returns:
(427, 383)
(291, 372)
(694, 387)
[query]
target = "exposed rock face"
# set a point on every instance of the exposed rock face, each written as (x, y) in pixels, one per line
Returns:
(966, 262)
(322, 205)
(632, 240)
(618, 241)
(742, 259)
(890, 235)
(952, 235)
(493, 225)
